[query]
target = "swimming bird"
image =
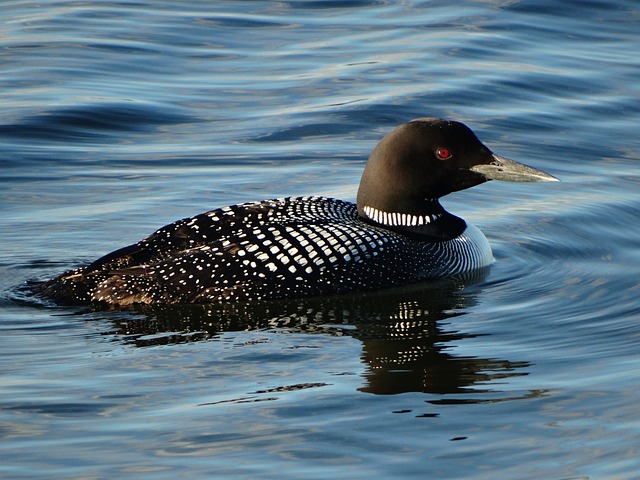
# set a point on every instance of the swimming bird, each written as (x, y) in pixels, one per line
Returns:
(396, 233)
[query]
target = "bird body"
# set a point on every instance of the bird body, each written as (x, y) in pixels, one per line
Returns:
(395, 234)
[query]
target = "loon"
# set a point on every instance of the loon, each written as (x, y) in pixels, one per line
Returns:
(396, 233)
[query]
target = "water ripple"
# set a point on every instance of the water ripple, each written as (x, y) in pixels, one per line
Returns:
(119, 117)
(90, 121)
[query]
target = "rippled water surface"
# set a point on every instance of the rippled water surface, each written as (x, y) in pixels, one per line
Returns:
(118, 118)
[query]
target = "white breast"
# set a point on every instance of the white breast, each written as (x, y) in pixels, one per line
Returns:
(469, 251)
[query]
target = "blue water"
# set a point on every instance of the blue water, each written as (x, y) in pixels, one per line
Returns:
(120, 117)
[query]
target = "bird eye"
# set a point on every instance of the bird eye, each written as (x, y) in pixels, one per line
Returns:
(443, 153)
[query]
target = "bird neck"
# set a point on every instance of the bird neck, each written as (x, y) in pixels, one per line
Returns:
(427, 221)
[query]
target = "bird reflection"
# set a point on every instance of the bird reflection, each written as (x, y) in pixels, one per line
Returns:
(406, 333)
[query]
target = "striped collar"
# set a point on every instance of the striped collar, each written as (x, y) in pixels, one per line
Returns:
(399, 219)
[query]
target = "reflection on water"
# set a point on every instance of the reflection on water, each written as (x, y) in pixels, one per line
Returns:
(407, 345)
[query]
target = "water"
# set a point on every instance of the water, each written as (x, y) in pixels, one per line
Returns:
(118, 118)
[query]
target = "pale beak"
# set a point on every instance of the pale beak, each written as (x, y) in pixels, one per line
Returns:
(502, 168)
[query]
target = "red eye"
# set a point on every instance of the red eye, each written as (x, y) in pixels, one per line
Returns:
(443, 153)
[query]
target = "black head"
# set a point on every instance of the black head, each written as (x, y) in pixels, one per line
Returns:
(428, 158)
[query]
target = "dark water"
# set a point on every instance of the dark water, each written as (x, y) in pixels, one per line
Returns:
(118, 118)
